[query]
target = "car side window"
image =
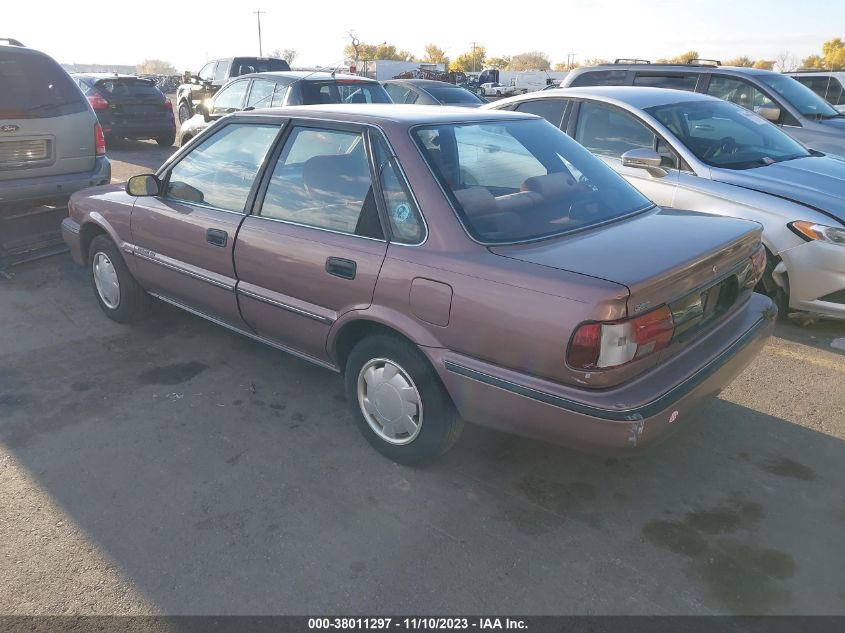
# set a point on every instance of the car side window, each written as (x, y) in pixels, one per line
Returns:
(207, 72)
(739, 92)
(835, 92)
(220, 171)
(230, 98)
(601, 78)
(322, 179)
(406, 224)
(609, 131)
(396, 92)
(261, 94)
(279, 95)
(549, 109)
(676, 81)
(222, 70)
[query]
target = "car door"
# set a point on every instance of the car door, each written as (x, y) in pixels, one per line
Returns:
(609, 132)
(314, 245)
(184, 238)
(551, 109)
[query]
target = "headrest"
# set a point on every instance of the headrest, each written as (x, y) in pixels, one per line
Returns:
(551, 186)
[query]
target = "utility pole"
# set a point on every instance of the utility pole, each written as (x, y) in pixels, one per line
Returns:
(570, 60)
(260, 49)
(473, 56)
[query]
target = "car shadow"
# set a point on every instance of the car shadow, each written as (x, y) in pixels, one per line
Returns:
(222, 477)
(819, 335)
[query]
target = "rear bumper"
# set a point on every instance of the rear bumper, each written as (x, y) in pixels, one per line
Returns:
(141, 129)
(58, 187)
(631, 416)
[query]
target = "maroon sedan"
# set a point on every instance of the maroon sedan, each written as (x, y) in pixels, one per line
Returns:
(451, 264)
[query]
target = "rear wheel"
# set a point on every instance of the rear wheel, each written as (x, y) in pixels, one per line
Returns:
(184, 112)
(120, 296)
(167, 141)
(398, 401)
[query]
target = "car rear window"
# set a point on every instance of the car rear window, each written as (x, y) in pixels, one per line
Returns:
(254, 65)
(447, 95)
(127, 87)
(521, 180)
(33, 86)
(343, 91)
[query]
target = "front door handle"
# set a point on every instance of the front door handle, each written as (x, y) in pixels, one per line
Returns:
(216, 237)
(339, 267)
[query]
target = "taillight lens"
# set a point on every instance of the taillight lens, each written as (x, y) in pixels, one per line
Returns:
(167, 105)
(612, 344)
(99, 140)
(97, 101)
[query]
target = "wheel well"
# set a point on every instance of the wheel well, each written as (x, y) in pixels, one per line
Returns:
(354, 331)
(87, 234)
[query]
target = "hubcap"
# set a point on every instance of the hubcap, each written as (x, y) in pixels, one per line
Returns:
(105, 279)
(390, 401)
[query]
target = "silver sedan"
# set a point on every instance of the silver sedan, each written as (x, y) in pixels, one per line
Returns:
(692, 151)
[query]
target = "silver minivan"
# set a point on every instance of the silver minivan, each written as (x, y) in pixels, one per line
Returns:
(51, 144)
(799, 111)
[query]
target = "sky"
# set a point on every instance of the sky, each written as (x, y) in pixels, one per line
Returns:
(189, 33)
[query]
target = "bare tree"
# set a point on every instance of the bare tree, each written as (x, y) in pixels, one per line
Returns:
(786, 62)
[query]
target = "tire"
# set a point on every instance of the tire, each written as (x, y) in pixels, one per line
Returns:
(397, 364)
(130, 302)
(184, 111)
(184, 140)
(167, 141)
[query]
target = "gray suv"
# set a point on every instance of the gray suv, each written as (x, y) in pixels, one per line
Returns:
(779, 98)
(51, 144)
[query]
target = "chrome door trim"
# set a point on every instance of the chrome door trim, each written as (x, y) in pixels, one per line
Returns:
(176, 266)
(284, 306)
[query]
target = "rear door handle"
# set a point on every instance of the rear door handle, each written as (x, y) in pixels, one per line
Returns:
(216, 237)
(339, 267)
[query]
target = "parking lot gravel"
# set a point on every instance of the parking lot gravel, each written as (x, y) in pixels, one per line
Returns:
(173, 467)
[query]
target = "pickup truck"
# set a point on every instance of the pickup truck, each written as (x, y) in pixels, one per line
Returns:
(214, 74)
(496, 90)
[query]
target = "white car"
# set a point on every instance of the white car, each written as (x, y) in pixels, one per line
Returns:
(691, 151)
(828, 84)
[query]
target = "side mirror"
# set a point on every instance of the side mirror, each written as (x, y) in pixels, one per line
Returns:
(143, 185)
(646, 159)
(770, 113)
(202, 109)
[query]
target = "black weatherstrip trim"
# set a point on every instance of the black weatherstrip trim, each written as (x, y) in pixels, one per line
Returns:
(619, 415)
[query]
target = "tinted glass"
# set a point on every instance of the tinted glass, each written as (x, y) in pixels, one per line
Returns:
(123, 88)
(322, 179)
(724, 135)
(799, 96)
(549, 109)
(230, 98)
(610, 131)
(279, 95)
(447, 95)
(261, 94)
(520, 180)
(674, 81)
(219, 172)
(739, 92)
(396, 92)
(34, 86)
(343, 91)
(406, 224)
(836, 92)
(207, 72)
(601, 78)
(247, 65)
(222, 69)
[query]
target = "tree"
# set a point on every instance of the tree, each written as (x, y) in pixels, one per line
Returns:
(683, 58)
(288, 54)
(785, 62)
(764, 64)
(813, 61)
(155, 67)
(742, 61)
(435, 55)
(471, 61)
(497, 62)
(369, 52)
(833, 52)
(532, 60)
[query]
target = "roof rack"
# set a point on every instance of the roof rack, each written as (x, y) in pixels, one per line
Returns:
(630, 60)
(12, 42)
(813, 70)
(704, 62)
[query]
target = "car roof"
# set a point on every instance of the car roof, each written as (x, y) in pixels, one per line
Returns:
(376, 113)
(107, 76)
(637, 96)
(306, 75)
(423, 83)
(686, 68)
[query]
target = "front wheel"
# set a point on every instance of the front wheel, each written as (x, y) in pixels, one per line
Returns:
(398, 401)
(167, 141)
(184, 112)
(120, 296)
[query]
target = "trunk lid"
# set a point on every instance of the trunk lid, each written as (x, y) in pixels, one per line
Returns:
(661, 256)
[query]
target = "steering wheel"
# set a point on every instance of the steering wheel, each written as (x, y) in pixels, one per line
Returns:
(726, 145)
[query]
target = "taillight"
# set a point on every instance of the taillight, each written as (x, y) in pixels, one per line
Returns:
(97, 102)
(758, 267)
(99, 140)
(167, 105)
(615, 343)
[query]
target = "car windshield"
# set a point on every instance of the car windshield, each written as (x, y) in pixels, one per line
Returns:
(799, 96)
(520, 180)
(446, 95)
(343, 91)
(722, 134)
